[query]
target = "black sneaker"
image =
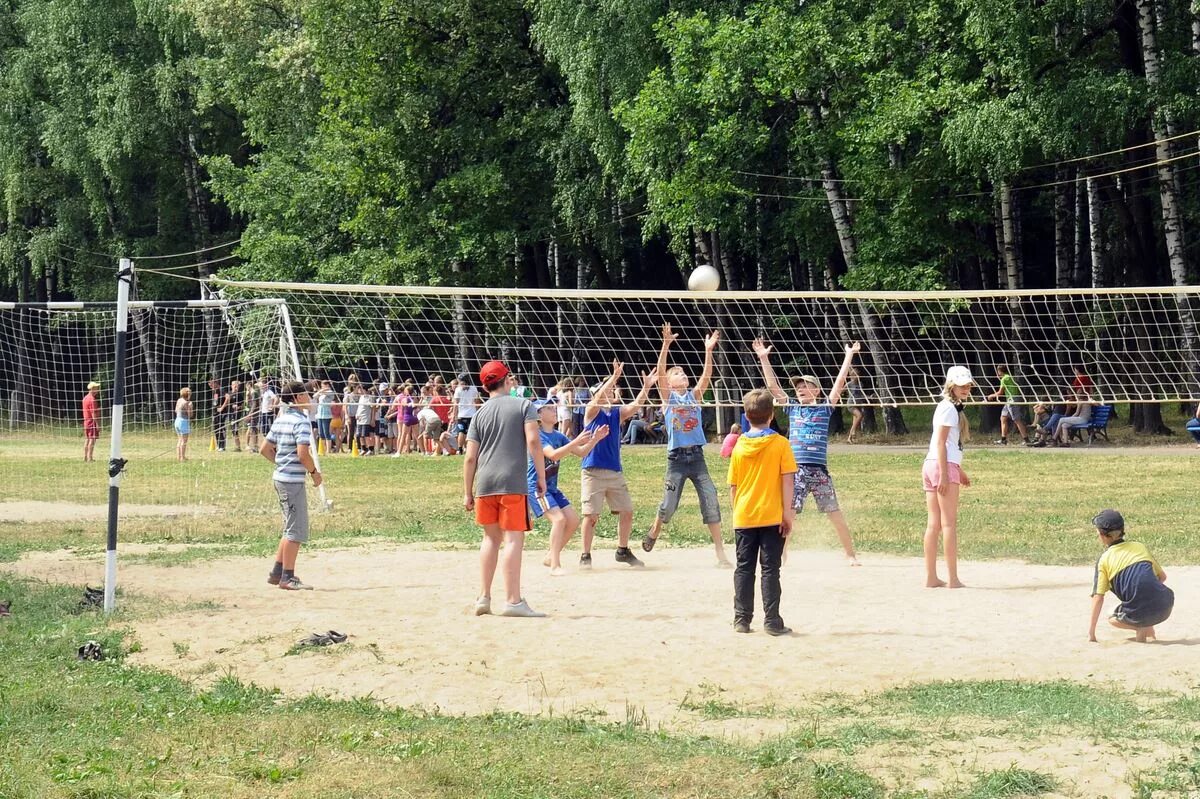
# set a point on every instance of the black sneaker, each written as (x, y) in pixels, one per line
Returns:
(777, 630)
(648, 542)
(585, 560)
(741, 626)
(1002, 442)
(624, 555)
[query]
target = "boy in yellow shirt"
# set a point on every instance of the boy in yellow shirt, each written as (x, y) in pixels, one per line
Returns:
(762, 473)
(1128, 570)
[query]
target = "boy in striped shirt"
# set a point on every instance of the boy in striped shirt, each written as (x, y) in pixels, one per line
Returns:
(289, 446)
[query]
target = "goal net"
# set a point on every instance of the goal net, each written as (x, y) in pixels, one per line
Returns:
(53, 351)
(1135, 344)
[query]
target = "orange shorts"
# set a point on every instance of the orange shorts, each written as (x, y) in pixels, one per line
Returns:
(510, 511)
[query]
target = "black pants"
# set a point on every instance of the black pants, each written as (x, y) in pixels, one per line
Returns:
(219, 420)
(765, 545)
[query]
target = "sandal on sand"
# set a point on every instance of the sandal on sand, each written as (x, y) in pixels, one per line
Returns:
(323, 639)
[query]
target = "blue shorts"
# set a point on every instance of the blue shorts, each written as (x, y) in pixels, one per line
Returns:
(183, 426)
(554, 498)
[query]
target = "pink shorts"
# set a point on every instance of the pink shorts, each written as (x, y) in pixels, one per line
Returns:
(931, 478)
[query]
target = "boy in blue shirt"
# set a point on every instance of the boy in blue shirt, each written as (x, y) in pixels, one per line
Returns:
(1128, 570)
(808, 433)
(685, 443)
(601, 478)
(564, 521)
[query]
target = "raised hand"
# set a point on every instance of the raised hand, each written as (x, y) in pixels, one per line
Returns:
(711, 340)
(668, 336)
(585, 438)
(761, 348)
(618, 367)
(599, 433)
(650, 378)
(853, 349)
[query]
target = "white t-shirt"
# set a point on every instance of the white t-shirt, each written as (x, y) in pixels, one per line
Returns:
(428, 415)
(267, 403)
(946, 415)
(464, 398)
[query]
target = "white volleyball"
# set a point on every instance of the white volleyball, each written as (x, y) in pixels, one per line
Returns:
(704, 278)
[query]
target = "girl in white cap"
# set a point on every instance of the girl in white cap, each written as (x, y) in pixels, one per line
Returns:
(943, 476)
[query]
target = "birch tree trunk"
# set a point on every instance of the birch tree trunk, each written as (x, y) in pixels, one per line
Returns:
(462, 344)
(1078, 275)
(1062, 265)
(1151, 421)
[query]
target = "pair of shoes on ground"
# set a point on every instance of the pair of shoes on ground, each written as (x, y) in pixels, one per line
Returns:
(521, 610)
(293, 583)
(744, 627)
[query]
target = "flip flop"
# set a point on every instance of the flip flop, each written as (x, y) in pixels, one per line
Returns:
(323, 639)
(92, 598)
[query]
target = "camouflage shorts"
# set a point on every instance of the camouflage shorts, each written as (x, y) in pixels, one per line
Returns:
(815, 480)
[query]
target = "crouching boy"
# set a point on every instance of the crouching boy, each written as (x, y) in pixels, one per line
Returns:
(1128, 570)
(762, 473)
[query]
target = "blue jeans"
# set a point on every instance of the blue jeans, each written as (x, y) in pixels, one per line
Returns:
(683, 464)
(1051, 426)
(324, 429)
(1193, 427)
(631, 435)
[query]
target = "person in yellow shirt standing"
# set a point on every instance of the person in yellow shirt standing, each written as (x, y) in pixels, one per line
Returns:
(762, 473)
(1128, 570)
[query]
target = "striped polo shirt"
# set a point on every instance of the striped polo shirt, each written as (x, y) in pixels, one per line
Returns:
(289, 430)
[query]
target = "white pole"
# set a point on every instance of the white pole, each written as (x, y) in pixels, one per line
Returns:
(115, 464)
(287, 330)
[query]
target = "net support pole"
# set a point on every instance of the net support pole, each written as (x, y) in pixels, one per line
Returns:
(295, 359)
(115, 464)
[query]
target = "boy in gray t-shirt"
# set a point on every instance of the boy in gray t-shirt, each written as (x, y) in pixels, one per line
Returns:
(504, 434)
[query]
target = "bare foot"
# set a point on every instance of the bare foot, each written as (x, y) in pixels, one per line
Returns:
(935, 583)
(546, 560)
(956, 584)
(852, 560)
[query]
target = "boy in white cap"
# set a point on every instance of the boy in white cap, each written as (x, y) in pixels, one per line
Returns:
(808, 433)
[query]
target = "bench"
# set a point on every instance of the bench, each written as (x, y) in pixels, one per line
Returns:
(1098, 426)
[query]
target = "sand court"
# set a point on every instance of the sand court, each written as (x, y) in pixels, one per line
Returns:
(621, 640)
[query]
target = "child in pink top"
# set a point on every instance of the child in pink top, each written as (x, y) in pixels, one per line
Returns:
(735, 432)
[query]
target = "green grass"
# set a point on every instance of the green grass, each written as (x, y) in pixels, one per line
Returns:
(1029, 505)
(1010, 782)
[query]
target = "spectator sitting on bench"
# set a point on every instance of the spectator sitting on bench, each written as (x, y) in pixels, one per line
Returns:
(1045, 420)
(1081, 413)
(1193, 426)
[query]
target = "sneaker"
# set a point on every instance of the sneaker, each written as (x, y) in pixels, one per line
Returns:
(624, 555)
(585, 560)
(483, 606)
(777, 630)
(1002, 442)
(273, 579)
(648, 542)
(521, 610)
(741, 626)
(293, 584)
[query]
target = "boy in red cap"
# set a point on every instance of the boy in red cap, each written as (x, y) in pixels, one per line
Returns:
(504, 433)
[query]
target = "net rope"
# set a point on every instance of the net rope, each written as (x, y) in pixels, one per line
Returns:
(1137, 345)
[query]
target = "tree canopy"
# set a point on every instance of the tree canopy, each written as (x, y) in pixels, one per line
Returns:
(599, 143)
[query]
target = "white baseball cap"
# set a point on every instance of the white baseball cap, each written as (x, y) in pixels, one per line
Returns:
(959, 376)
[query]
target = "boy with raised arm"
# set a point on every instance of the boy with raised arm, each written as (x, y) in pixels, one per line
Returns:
(808, 434)
(503, 434)
(564, 521)
(685, 443)
(601, 478)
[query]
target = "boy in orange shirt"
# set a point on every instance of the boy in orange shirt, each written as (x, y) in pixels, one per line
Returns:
(761, 481)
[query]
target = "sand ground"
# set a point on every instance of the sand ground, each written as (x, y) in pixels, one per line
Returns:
(643, 644)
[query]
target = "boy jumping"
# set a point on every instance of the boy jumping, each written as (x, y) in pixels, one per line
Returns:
(762, 477)
(685, 443)
(808, 433)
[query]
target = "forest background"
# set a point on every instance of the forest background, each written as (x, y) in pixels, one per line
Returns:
(612, 144)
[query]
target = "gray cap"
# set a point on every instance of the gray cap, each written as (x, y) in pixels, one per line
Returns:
(1109, 520)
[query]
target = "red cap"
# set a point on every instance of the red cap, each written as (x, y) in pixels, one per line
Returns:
(492, 372)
